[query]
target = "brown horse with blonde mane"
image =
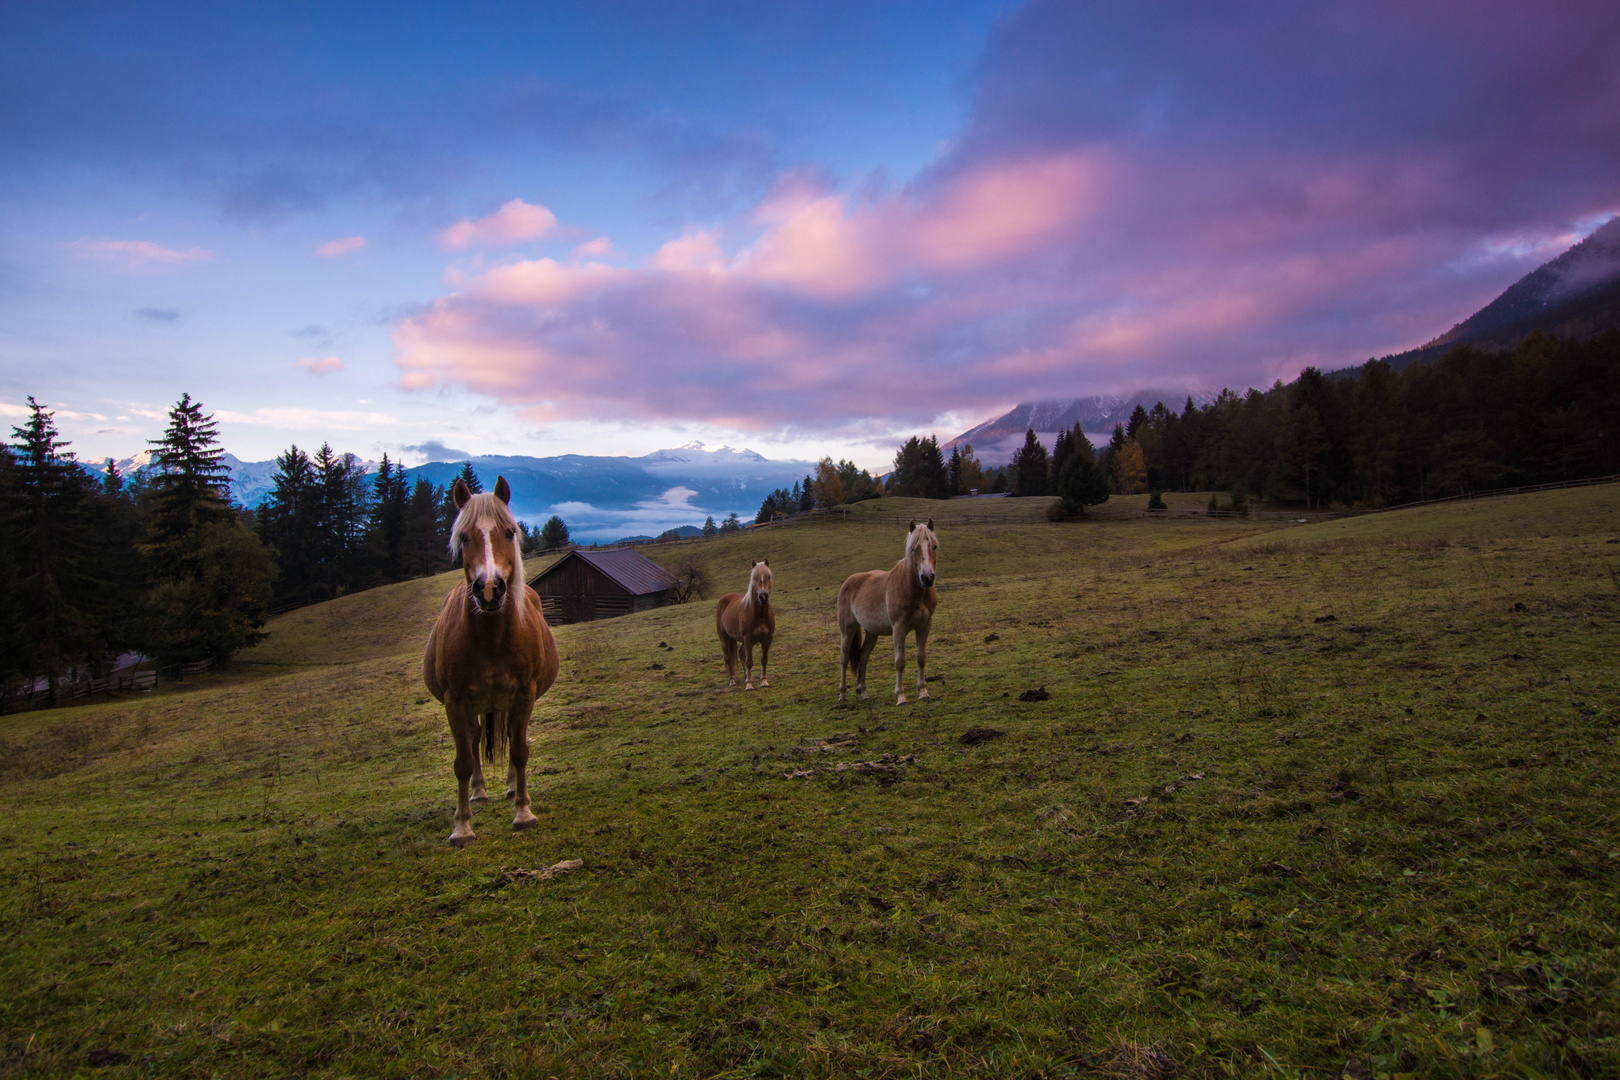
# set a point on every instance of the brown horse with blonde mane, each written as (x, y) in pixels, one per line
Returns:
(744, 620)
(490, 654)
(893, 602)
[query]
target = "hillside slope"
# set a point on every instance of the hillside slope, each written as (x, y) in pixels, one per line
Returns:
(1288, 793)
(1574, 295)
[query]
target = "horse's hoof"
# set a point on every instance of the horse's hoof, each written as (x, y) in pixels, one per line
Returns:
(923, 696)
(749, 686)
(460, 839)
(900, 699)
(524, 821)
(764, 683)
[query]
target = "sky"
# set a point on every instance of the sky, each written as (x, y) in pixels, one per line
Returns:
(808, 229)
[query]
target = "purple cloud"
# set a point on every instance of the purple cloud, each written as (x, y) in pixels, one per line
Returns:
(1153, 195)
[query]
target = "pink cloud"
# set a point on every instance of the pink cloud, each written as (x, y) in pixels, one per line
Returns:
(138, 254)
(320, 365)
(335, 249)
(593, 249)
(514, 223)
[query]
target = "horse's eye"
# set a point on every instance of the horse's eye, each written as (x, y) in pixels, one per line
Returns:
(466, 538)
(511, 533)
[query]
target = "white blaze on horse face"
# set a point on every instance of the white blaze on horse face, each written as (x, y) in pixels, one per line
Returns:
(921, 548)
(489, 567)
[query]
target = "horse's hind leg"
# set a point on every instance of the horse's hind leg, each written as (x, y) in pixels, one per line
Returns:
(522, 816)
(846, 660)
(746, 647)
(866, 655)
(764, 655)
(728, 651)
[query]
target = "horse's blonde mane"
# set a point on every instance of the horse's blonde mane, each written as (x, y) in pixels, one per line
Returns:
(485, 511)
(913, 535)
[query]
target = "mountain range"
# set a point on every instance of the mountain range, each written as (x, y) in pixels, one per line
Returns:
(599, 497)
(1574, 295)
(995, 441)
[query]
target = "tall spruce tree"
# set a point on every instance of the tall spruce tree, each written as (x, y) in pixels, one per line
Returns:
(188, 489)
(426, 539)
(289, 522)
(61, 618)
(1080, 483)
(385, 531)
(1029, 467)
(211, 578)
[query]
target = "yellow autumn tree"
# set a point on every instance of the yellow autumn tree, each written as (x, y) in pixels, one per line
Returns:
(1130, 471)
(829, 486)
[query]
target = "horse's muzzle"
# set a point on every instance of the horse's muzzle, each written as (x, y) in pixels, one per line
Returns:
(927, 580)
(764, 599)
(497, 594)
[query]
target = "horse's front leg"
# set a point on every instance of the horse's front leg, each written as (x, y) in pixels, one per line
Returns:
(747, 648)
(899, 663)
(480, 794)
(764, 655)
(922, 656)
(465, 730)
(518, 736)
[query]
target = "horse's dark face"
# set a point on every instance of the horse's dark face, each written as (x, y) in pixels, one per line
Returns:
(921, 551)
(759, 580)
(486, 538)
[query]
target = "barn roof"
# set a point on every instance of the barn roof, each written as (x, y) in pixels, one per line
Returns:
(631, 569)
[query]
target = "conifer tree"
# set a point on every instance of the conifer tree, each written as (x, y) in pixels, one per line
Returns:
(426, 539)
(289, 522)
(188, 490)
(385, 530)
(554, 533)
(211, 578)
(1029, 467)
(61, 619)
(1081, 482)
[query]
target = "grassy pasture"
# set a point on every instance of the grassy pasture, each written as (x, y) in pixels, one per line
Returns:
(1300, 794)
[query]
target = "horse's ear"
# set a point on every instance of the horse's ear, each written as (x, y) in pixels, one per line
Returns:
(502, 492)
(912, 527)
(460, 493)
(767, 562)
(930, 524)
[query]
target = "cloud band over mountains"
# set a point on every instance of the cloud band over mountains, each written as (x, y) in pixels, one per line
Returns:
(1159, 194)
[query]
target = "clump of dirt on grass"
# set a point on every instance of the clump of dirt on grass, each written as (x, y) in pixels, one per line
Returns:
(1134, 1062)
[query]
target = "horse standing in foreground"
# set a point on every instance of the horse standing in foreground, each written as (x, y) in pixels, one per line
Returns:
(743, 620)
(490, 654)
(884, 602)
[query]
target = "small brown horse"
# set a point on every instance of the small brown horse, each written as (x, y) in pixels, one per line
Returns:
(885, 602)
(743, 620)
(490, 654)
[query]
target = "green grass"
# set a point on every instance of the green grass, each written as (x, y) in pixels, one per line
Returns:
(1300, 794)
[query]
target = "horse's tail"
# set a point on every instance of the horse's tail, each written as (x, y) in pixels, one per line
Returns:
(495, 735)
(852, 649)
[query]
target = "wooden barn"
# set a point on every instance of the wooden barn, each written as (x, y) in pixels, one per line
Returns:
(585, 585)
